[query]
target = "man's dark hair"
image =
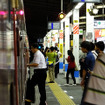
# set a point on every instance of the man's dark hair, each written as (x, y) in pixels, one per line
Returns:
(35, 45)
(92, 45)
(100, 45)
(56, 49)
(52, 48)
(86, 45)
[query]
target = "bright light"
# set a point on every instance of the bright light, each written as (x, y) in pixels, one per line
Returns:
(3, 13)
(61, 16)
(21, 12)
(79, 5)
(39, 47)
(95, 10)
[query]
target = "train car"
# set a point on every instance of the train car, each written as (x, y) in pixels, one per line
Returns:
(14, 52)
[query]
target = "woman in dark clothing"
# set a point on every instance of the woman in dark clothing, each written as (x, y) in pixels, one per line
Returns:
(71, 67)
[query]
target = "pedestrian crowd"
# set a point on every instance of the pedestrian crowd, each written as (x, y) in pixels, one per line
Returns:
(92, 71)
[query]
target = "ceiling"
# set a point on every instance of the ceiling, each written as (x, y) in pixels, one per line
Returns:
(39, 12)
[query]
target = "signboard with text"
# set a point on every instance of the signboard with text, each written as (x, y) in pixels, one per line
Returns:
(99, 24)
(88, 1)
(99, 33)
(54, 25)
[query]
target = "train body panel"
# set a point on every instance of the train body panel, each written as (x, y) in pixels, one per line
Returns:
(14, 52)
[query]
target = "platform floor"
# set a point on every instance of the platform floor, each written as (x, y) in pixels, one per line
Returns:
(60, 94)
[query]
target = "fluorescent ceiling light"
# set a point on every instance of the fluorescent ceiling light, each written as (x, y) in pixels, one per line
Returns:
(69, 14)
(100, 6)
(79, 5)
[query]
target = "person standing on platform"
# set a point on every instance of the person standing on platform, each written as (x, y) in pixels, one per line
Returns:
(93, 50)
(96, 88)
(57, 61)
(81, 61)
(38, 78)
(51, 64)
(88, 66)
(71, 67)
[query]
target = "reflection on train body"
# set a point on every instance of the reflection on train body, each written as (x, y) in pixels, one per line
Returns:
(13, 52)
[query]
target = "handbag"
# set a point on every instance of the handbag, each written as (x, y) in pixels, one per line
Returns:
(76, 72)
(76, 68)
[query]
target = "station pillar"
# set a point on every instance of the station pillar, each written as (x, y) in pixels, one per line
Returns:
(89, 24)
(61, 48)
(76, 38)
(67, 41)
(44, 42)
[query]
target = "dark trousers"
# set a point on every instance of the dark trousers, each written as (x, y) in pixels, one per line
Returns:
(81, 70)
(84, 92)
(56, 70)
(39, 79)
(72, 75)
(85, 103)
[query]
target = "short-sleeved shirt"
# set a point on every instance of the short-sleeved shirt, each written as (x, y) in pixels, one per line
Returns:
(71, 64)
(51, 56)
(40, 60)
(89, 63)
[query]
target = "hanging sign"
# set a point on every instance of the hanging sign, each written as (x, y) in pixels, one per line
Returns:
(88, 1)
(99, 24)
(54, 25)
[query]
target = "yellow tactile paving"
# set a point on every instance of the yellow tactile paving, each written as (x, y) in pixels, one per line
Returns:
(61, 96)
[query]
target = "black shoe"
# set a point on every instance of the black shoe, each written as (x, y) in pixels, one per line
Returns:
(51, 82)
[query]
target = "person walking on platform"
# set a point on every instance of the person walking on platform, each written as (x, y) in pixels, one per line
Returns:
(71, 67)
(95, 94)
(51, 64)
(38, 78)
(88, 66)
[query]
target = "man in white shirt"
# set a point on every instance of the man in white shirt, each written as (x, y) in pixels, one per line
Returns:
(38, 78)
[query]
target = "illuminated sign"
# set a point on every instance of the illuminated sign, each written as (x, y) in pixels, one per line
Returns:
(88, 1)
(99, 24)
(54, 25)
(99, 33)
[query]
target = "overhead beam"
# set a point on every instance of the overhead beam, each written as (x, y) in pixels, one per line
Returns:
(84, 17)
(100, 6)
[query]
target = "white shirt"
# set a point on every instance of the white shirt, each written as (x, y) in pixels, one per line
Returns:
(59, 54)
(95, 54)
(40, 60)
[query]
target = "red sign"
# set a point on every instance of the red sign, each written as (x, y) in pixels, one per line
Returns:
(76, 29)
(53, 39)
(48, 41)
(61, 35)
(97, 33)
